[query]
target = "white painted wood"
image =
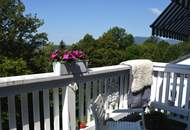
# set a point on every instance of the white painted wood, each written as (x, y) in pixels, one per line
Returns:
(12, 113)
(164, 87)
(126, 89)
(184, 91)
(181, 90)
(116, 85)
(106, 107)
(153, 89)
(174, 91)
(187, 99)
(19, 80)
(167, 87)
(121, 105)
(101, 85)
(68, 110)
(160, 85)
(24, 111)
(56, 108)
(65, 109)
(167, 67)
(81, 101)
(88, 101)
(36, 110)
(46, 109)
(177, 90)
(0, 116)
(72, 107)
(95, 89)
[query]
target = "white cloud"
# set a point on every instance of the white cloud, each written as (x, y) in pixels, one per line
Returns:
(155, 11)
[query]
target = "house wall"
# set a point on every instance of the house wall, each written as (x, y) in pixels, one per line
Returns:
(185, 62)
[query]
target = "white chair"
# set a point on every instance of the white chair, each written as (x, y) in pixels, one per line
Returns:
(98, 112)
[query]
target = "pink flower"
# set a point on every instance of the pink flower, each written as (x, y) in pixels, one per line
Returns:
(79, 54)
(68, 56)
(53, 55)
(75, 53)
(65, 56)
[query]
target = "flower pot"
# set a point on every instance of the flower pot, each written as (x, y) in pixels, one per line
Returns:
(77, 67)
(82, 125)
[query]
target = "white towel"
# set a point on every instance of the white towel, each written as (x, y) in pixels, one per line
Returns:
(141, 73)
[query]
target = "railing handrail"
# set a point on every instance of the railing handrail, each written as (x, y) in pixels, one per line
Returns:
(177, 66)
(26, 83)
(167, 67)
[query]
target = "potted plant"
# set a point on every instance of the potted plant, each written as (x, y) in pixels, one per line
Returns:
(69, 62)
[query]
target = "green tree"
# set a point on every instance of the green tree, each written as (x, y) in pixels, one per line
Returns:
(17, 30)
(62, 45)
(117, 38)
(10, 67)
(19, 39)
(40, 62)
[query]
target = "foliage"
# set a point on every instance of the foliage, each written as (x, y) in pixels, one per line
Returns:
(117, 38)
(19, 39)
(62, 45)
(40, 62)
(8, 67)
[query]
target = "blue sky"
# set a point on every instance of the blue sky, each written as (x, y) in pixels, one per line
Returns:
(70, 20)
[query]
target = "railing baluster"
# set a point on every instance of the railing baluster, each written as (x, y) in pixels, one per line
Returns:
(12, 112)
(101, 85)
(160, 87)
(181, 90)
(24, 111)
(187, 99)
(36, 110)
(88, 100)
(106, 95)
(121, 91)
(46, 109)
(167, 87)
(173, 92)
(164, 87)
(116, 85)
(94, 89)
(81, 101)
(153, 88)
(56, 108)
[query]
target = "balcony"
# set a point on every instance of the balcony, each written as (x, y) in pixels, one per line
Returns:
(48, 101)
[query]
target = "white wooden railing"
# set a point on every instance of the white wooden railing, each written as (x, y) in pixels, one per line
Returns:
(170, 91)
(47, 101)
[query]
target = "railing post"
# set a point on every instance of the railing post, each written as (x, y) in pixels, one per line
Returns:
(68, 110)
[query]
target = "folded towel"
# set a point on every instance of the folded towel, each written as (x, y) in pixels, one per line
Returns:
(141, 71)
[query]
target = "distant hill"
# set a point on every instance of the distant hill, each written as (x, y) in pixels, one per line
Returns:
(140, 40)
